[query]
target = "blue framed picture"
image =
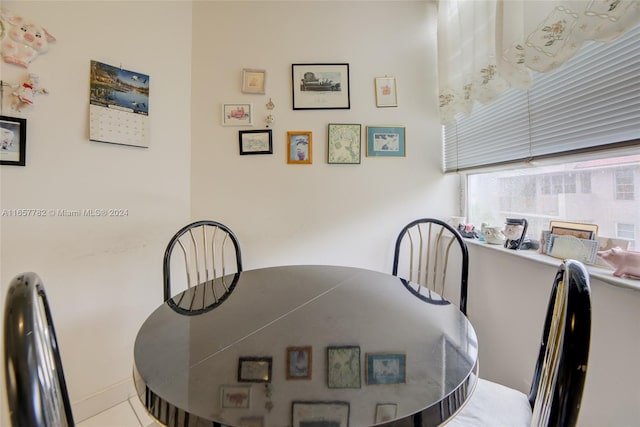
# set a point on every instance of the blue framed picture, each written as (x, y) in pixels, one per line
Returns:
(385, 141)
(385, 368)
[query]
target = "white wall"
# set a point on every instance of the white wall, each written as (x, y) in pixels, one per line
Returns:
(103, 275)
(508, 298)
(319, 213)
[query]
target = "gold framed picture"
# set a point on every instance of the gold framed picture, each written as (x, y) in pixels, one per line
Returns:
(299, 147)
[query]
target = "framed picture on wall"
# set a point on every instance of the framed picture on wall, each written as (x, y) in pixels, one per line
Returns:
(255, 141)
(344, 143)
(253, 81)
(237, 115)
(386, 141)
(13, 141)
(299, 363)
(386, 92)
(299, 147)
(320, 86)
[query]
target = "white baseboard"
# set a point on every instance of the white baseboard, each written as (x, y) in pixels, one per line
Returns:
(103, 400)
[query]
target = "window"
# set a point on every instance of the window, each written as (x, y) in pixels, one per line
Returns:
(494, 196)
(625, 187)
(627, 232)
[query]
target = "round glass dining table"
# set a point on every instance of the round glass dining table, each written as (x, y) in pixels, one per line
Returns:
(306, 346)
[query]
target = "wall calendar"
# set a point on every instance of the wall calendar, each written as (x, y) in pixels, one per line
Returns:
(118, 106)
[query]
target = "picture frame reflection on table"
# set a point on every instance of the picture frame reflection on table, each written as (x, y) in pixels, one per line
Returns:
(320, 413)
(254, 369)
(299, 363)
(343, 367)
(13, 141)
(235, 396)
(385, 368)
(386, 412)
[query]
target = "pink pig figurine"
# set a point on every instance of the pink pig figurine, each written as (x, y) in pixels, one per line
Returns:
(626, 263)
(21, 40)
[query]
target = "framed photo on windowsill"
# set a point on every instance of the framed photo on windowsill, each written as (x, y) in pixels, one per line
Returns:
(13, 141)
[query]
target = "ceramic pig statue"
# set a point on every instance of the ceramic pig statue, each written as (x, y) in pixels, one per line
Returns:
(21, 40)
(626, 263)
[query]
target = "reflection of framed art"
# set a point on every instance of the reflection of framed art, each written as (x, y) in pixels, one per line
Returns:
(385, 141)
(343, 367)
(385, 368)
(299, 363)
(252, 422)
(320, 86)
(320, 414)
(237, 115)
(386, 412)
(299, 147)
(344, 144)
(235, 396)
(254, 369)
(255, 141)
(13, 141)
(386, 92)
(253, 81)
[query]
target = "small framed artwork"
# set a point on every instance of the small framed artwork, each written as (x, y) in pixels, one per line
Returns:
(254, 369)
(235, 396)
(320, 86)
(343, 367)
(344, 143)
(385, 368)
(386, 92)
(299, 147)
(237, 114)
(386, 412)
(13, 141)
(385, 141)
(319, 414)
(253, 81)
(299, 363)
(255, 141)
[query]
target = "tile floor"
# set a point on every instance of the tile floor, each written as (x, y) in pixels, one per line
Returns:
(130, 413)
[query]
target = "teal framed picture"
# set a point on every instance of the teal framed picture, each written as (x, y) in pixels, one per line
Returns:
(385, 368)
(388, 141)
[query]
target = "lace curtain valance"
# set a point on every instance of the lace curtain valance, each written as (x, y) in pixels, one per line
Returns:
(486, 46)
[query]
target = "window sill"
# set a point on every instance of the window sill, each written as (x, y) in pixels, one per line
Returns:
(601, 273)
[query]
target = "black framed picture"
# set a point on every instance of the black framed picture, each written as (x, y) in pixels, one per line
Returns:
(320, 86)
(254, 369)
(13, 141)
(255, 141)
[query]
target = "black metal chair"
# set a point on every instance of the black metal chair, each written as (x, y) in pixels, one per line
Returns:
(211, 257)
(36, 388)
(422, 256)
(560, 371)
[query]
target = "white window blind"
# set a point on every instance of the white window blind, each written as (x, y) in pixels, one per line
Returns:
(592, 102)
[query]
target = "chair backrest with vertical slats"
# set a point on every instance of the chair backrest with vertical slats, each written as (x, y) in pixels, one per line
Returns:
(36, 387)
(203, 253)
(561, 368)
(424, 255)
